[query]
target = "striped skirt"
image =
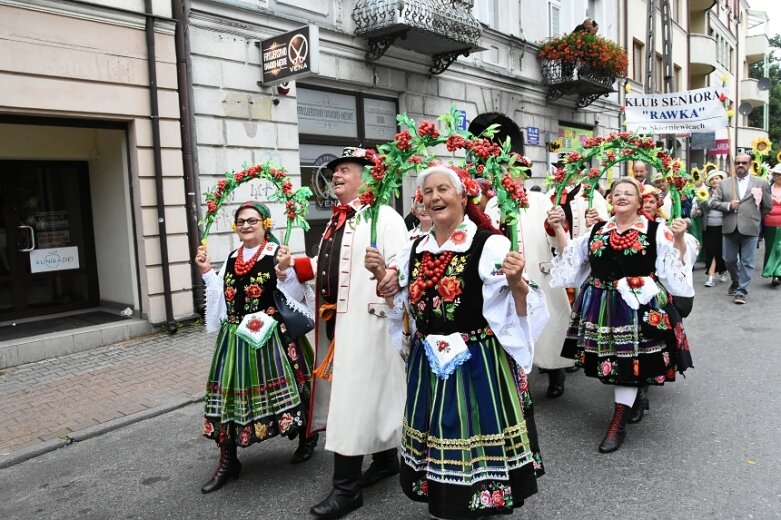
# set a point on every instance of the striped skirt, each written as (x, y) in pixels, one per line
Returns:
(469, 443)
(252, 395)
(606, 338)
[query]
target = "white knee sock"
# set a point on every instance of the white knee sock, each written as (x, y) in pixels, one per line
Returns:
(625, 394)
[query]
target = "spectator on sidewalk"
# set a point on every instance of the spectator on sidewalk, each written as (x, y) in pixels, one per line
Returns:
(358, 390)
(254, 392)
(772, 266)
(743, 199)
(712, 220)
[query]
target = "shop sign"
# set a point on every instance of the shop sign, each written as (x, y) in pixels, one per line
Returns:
(532, 135)
(54, 259)
(572, 138)
(379, 116)
(461, 121)
(50, 220)
(721, 147)
(327, 113)
(698, 110)
(291, 55)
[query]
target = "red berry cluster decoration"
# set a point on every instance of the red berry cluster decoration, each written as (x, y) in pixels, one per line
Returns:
(403, 140)
(455, 142)
(484, 148)
(514, 190)
(427, 128)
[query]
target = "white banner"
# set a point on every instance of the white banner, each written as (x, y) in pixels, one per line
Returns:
(59, 259)
(699, 110)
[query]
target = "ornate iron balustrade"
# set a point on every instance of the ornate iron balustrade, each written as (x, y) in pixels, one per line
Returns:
(567, 77)
(443, 29)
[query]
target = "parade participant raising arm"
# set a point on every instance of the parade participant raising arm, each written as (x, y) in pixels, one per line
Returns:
(252, 393)
(474, 318)
(358, 389)
(624, 330)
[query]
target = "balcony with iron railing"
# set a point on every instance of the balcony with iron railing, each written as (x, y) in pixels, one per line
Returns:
(442, 29)
(581, 64)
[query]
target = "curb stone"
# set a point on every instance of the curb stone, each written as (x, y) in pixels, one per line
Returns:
(38, 449)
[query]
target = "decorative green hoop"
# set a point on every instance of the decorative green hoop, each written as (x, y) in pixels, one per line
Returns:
(296, 201)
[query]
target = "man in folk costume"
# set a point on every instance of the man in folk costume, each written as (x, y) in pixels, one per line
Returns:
(359, 385)
(536, 247)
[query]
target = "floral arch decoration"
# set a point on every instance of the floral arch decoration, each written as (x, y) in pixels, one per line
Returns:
(296, 201)
(613, 149)
(410, 151)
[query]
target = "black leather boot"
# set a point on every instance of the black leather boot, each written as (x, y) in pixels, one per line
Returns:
(615, 432)
(228, 467)
(306, 447)
(556, 379)
(346, 495)
(384, 464)
(640, 406)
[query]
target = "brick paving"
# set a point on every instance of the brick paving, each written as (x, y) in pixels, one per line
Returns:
(52, 398)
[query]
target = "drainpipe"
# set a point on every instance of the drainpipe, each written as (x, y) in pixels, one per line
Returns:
(170, 324)
(180, 13)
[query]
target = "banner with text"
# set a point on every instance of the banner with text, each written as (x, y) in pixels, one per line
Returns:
(700, 110)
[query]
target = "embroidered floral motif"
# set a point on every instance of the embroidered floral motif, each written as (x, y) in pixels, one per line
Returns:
(420, 487)
(208, 428)
(245, 436)
(492, 496)
(446, 293)
(458, 236)
(658, 319)
(285, 421)
(598, 245)
(443, 346)
(254, 290)
(261, 431)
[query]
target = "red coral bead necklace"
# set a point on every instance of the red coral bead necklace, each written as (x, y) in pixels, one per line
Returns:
(240, 267)
(620, 242)
(432, 269)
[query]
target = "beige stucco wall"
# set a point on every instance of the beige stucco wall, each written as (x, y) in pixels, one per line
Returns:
(62, 60)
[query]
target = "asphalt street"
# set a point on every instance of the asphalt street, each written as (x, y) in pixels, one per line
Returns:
(708, 449)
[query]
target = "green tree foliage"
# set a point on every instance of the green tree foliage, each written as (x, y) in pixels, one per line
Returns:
(757, 71)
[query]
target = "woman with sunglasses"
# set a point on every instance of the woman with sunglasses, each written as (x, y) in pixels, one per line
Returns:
(253, 394)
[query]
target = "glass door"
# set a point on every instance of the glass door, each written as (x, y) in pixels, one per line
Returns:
(47, 250)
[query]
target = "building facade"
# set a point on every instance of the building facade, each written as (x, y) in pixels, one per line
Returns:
(354, 98)
(85, 154)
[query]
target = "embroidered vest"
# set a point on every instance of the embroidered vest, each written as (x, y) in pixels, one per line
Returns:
(455, 304)
(252, 292)
(607, 264)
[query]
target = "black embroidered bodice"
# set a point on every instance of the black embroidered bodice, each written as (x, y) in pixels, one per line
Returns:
(455, 303)
(607, 264)
(252, 292)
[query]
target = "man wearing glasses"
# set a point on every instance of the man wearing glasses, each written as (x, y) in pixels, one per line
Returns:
(744, 200)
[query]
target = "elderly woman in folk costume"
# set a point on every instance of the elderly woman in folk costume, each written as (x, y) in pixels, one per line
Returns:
(772, 221)
(652, 204)
(423, 227)
(469, 443)
(258, 385)
(711, 220)
(625, 331)
(535, 246)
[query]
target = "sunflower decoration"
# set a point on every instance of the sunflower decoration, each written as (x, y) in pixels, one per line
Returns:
(761, 146)
(778, 157)
(708, 167)
(697, 176)
(701, 193)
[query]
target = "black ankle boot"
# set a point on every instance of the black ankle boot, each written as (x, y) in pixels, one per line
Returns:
(615, 432)
(306, 447)
(556, 379)
(384, 464)
(228, 467)
(346, 495)
(640, 406)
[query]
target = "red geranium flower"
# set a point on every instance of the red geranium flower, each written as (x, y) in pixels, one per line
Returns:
(254, 325)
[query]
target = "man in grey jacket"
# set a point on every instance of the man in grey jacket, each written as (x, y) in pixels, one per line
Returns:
(743, 199)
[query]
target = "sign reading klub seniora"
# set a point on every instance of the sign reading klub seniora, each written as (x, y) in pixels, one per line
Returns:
(290, 55)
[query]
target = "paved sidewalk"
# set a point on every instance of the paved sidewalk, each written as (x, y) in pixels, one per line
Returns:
(56, 401)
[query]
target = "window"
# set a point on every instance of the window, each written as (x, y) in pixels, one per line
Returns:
(677, 79)
(638, 56)
(659, 73)
(488, 12)
(553, 19)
